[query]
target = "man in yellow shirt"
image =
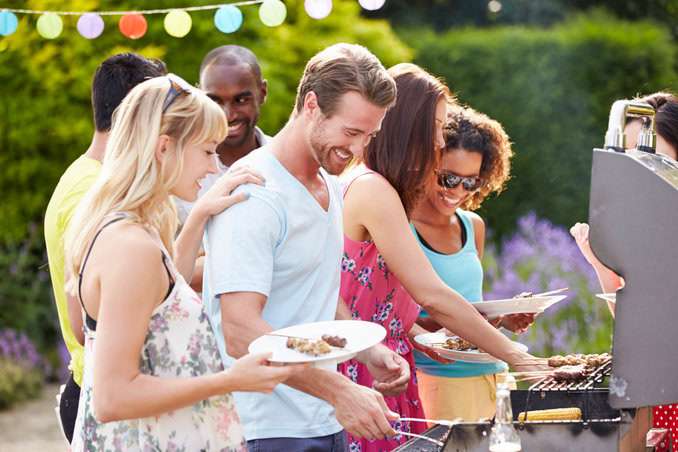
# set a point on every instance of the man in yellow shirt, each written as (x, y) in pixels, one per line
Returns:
(113, 79)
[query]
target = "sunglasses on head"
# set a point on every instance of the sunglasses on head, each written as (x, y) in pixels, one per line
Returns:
(451, 180)
(177, 87)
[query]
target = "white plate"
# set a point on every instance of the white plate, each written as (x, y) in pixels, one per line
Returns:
(608, 296)
(359, 336)
(471, 356)
(529, 305)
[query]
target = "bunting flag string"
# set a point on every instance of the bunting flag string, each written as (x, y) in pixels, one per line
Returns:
(178, 22)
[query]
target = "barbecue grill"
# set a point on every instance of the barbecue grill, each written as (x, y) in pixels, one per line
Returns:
(633, 217)
(602, 428)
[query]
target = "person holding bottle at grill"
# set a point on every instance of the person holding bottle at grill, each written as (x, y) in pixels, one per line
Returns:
(666, 119)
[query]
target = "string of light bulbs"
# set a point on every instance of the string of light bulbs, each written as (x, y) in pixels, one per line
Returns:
(178, 22)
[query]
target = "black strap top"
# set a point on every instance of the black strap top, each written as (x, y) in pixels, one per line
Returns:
(89, 321)
(464, 235)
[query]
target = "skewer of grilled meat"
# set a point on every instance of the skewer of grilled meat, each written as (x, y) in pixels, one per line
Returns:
(334, 341)
(570, 373)
(592, 360)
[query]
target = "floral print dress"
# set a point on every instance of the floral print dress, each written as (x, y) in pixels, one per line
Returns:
(374, 294)
(179, 344)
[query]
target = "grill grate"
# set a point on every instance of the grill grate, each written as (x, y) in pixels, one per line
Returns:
(593, 379)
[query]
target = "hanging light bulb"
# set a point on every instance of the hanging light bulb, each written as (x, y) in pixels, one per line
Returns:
(178, 23)
(50, 25)
(228, 19)
(371, 5)
(318, 9)
(494, 6)
(133, 26)
(272, 12)
(8, 23)
(90, 25)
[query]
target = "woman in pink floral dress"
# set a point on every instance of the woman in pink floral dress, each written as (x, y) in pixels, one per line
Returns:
(153, 379)
(373, 294)
(385, 275)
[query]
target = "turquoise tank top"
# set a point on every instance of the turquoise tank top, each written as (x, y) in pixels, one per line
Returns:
(463, 272)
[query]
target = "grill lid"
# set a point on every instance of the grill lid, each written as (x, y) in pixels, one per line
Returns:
(633, 216)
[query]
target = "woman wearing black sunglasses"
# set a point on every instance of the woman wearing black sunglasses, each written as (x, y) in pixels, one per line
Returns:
(475, 162)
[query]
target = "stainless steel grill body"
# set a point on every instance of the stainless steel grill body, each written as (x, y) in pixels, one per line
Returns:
(602, 429)
(633, 214)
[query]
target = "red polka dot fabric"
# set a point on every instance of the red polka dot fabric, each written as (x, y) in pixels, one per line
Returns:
(666, 416)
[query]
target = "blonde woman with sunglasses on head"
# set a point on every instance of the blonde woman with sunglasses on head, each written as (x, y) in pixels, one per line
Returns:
(475, 162)
(153, 377)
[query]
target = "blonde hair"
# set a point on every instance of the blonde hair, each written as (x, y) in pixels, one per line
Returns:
(132, 180)
(341, 68)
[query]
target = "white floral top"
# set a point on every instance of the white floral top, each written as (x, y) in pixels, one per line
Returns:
(180, 343)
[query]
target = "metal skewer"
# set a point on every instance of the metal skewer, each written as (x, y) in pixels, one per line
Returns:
(288, 336)
(537, 295)
(533, 378)
(433, 421)
(551, 292)
(533, 373)
(414, 435)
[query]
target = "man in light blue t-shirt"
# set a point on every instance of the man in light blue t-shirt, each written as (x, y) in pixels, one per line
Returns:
(274, 260)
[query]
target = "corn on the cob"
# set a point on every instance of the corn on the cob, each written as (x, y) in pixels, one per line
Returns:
(556, 414)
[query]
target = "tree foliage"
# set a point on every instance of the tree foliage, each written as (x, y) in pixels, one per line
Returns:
(46, 119)
(552, 90)
(443, 14)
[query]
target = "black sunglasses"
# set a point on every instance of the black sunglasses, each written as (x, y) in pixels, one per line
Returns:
(177, 88)
(451, 180)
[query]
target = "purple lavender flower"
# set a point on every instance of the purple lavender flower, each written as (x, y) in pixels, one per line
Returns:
(64, 361)
(541, 256)
(559, 339)
(17, 347)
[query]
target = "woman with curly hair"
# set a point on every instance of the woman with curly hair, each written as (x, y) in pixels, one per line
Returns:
(475, 163)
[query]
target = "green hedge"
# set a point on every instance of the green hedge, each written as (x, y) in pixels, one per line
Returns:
(552, 90)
